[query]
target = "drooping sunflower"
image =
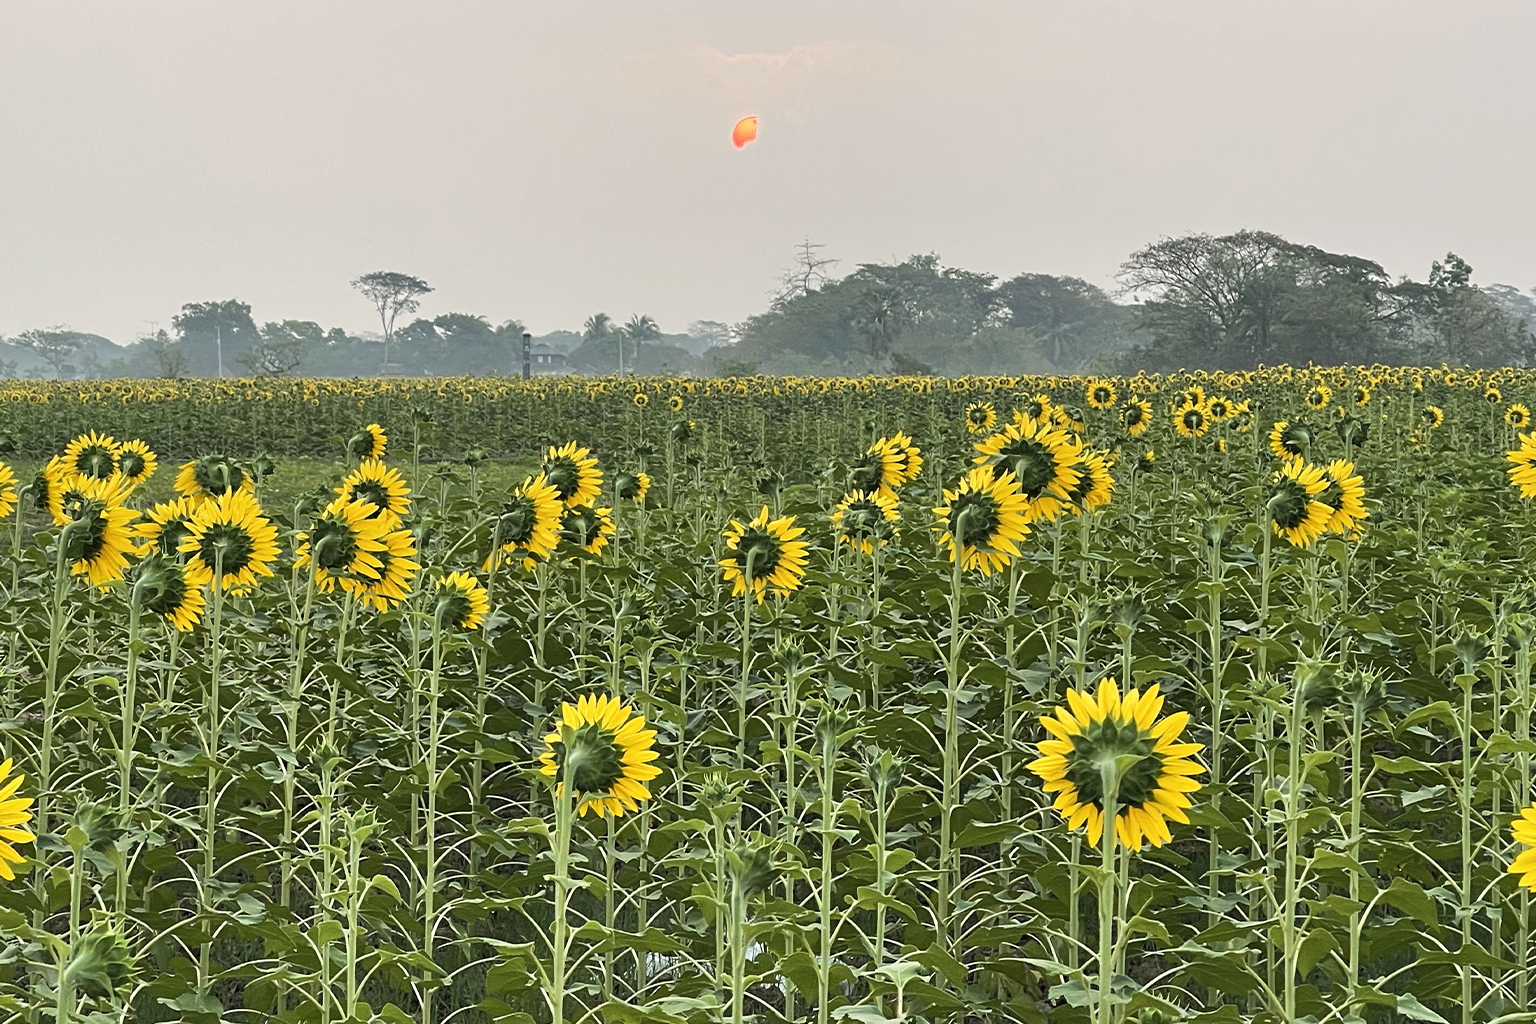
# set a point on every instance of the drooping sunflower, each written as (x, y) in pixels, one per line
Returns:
(1289, 440)
(1319, 397)
(983, 519)
(397, 572)
(1101, 395)
(136, 461)
(368, 443)
(632, 487)
(587, 528)
(764, 554)
(1433, 416)
(92, 455)
(344, 542)
(1094, 486)
(1523, 830)
(1152, 791)
(168, 591)
(379, 486)
(572, 471)
(1522, 468)
(1136, 417)
(1345, 497)
(97, 528)
(529, 525)
(866, 518)
(7, 491)
(210, 477)
(1191, 421)
(165, 524)
(462, 602)
(1042, 460)
(980, 417)
(232, 534)
(605, 751)
(15, 813)
(1294, 510)
(1517, 416)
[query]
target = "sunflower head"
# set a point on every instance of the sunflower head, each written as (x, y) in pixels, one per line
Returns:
(1191, 420)
(1289, 440)
(7, 490)
(587, 528)
(211, 477)
(529, 521)
(1433, 416)
(462, 602)
(983, 519)
(1319, 397)
(136, 461)
(381, 488)
(232, 539)
(15, 813)
(345, 540)
(642, 399)
(980, 417)
(1294, 510)
(161, 585)
(572, 471)
(681, 431)
(602, 750)
(675, 403)
(1136, 417)
(632, 487)
(368, 443)
(1523, 830)
(1517, 416)
(92, 455)
(97, 532)
(864, 519)
(166, 524)
(1101, 394)
(396, 570)
(1105, 738)
(764, 554)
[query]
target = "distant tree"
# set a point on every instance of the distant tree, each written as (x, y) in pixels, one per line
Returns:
(641, 329)
(879, 316)
(708, 334)
(55, 346)
(1073, 320)
(391, 293)
(214, 335)
(597, 327)
(274, 358)
(806, 274)
(1459, 323)
(170, 357)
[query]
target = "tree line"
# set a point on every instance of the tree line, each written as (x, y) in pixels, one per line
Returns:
(1230, 302)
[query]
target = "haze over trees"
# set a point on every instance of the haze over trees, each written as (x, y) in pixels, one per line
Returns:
(1230, 301)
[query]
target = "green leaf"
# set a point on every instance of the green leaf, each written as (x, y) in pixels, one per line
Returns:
(1318, 944)
(1408, 1005)
(1411, 900)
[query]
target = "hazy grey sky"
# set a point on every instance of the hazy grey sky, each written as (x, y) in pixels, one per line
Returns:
(546, 160)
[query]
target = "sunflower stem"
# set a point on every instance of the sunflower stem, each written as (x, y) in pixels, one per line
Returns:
(434, 740)
(1109, 780)
(211, 798)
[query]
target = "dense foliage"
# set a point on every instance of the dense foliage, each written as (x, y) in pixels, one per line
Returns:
(301, 803)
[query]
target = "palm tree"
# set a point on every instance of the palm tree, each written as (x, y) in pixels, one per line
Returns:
(879, 316)
(598, 325)
(641, 329)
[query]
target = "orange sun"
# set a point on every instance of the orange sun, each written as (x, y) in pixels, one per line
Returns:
(745, 131)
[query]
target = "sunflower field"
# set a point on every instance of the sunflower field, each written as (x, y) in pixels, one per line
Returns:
(1205, 697)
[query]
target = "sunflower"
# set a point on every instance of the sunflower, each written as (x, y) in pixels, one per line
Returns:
(1493, 395)
(380, 487)
(1294, 510)
(529, 521)
(1069, 418)
(573, 473)
(1218, 408)
(642, 399)
(92, 455)
(1345, 497)
(1101, 395)
(988, 515)
(908, 456)
(1522, 469)
(1147, 462)
(765, 553)
(397, 572)
(1136, 417)
(1042, 461)
(1361, 395)
(675, 403)
(210, 477)
(97, 534)
(368, 443)
(1319, 397)
(1433, 416)
(1192, 396)
(587, 528)
(1095, 728)
(632, 487)
(1517, 416)
(166, 524)
(1037, 408)
(462, 602)
(136, 462)
(231, 534)
(1191, 420)
(605, 751)
(14, 814)
(169, 591)
(7, 491)
(344, 541)
(865, 518)
(1289, 440)
(1094, 486)
(1523, 829)
(980, 417)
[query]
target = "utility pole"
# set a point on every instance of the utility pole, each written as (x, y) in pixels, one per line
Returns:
(527, 355)
(218, 336)
(620, 336)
